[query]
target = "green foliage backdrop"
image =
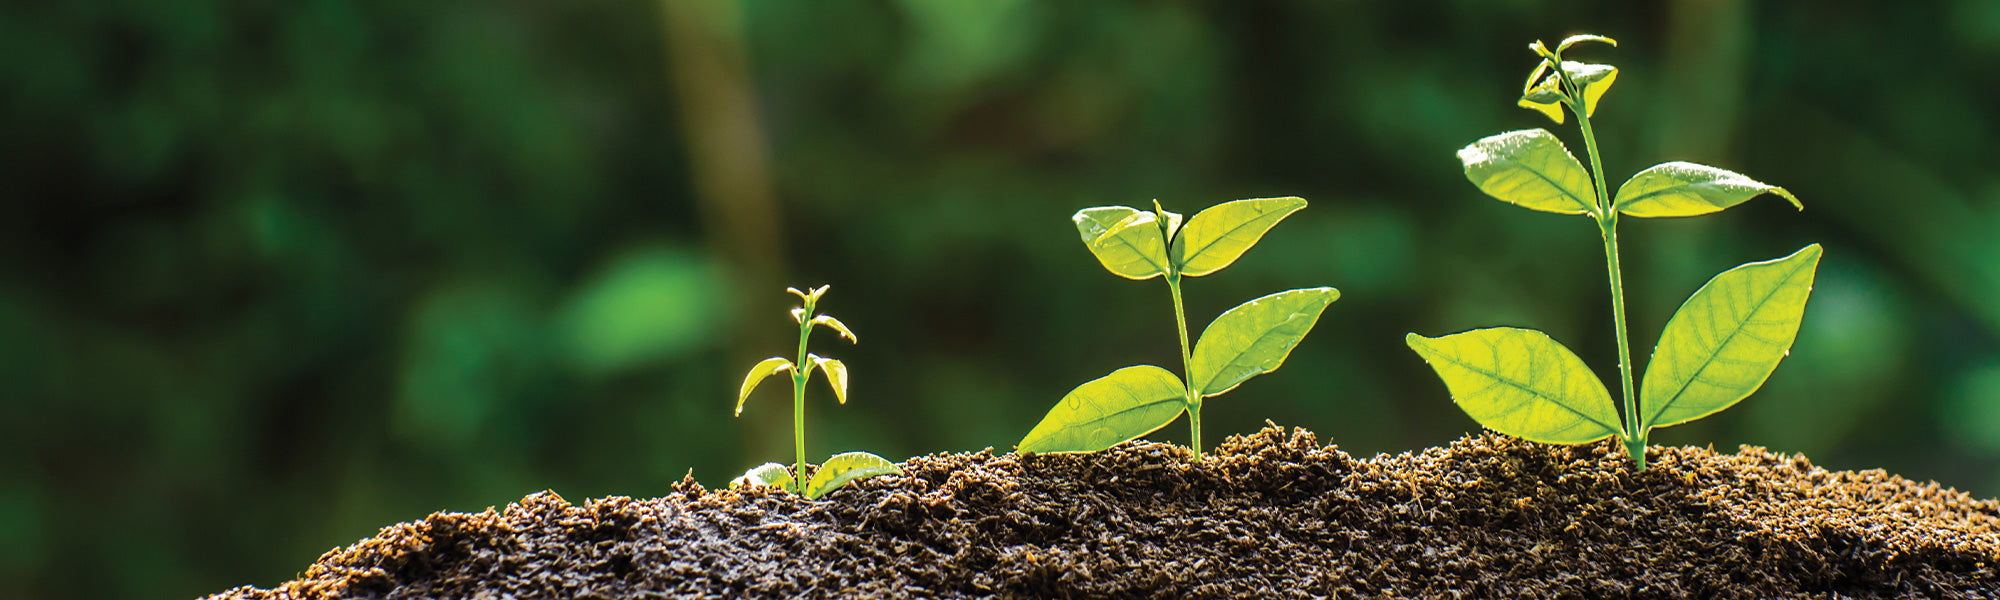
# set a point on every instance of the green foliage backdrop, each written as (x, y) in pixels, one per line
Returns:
(274, 275)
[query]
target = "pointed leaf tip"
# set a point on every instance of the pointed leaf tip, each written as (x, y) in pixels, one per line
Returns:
(1685, 189)
(1727, 339)
(1255, 338)
(1220, 234)
(836, 376)
(1578, 39)
(1530, 168)
(1103, 412)
(838, 327)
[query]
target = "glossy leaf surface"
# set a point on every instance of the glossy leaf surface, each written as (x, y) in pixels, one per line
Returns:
(1255, 337)
(1530, 168)
(771, 474)
(765, 368)
(1593, 79)
(1217, 236)
(1131, 246)
(1727, 339)
(846, 467)
(1126, 404)
(1682, 189)
(1521, 383)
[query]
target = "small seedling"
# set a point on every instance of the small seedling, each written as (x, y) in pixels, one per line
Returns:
(839, 469)
(1717, 349)
(1249, 340)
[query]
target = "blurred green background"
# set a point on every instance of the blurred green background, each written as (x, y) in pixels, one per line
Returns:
(274, 275)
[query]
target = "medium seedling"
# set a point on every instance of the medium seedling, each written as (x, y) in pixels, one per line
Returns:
(1717, 349)
(839, 469)
(1249, 340)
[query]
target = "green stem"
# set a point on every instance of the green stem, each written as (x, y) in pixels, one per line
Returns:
(1187, 358)
(1607, 227)
(800, 374)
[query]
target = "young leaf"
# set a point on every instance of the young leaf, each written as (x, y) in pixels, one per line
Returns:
(1529, 168)
(836, 325)
(766, 368)
(1254, 338)
(1126, 404)
(1521, 383)
(1545, 96)
(1684, 189)
(845, 467)
(1593, 79)
(771, 474)
(1727, 339)
(1130, 247)
(1577, 39)
(836, 376)
(1220, 234)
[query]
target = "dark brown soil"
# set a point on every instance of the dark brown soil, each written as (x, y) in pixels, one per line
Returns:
(1270, 515)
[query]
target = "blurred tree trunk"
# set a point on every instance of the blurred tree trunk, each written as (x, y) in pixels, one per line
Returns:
(728, 159)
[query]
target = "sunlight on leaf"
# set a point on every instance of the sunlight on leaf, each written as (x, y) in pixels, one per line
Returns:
(1727, 339)
(1683, 189)
(1529, 168)
(771, 474)
(1521, 383)
(1219, 235)
(846, 467)
(1255, 337)
(765, 368)
(836, 376)
(1131, 247)
(1124, 405)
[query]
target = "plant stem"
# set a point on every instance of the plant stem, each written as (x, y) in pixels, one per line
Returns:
(1607, 227)
(801, 371)
(1187, 358)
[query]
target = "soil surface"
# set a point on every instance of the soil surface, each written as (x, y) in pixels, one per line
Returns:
(1270, 515)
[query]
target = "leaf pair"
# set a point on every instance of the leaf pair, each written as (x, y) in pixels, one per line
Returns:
(836, 375)
(1246, 341)
(1545, 91)
(1718, 348)
(838, 471)
(1531, 168)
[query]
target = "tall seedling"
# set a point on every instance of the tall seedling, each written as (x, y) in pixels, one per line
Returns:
(1717, 349)
(1249, 340)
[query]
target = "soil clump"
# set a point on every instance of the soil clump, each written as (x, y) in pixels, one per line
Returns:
(1269, 515)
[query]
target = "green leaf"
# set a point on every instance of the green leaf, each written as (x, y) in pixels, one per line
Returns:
(1683, 189)
(1727, 339)
(1545, 96)
(1220, 234)
(1578, 39)
(1254, 338)
(837, 326)
(766, 368)
(1131, 246)
(1593, 79)
(1529, 168)
(1521, 383)
(1124, 405)
(836, 375)
(771, 474)
(846, 467)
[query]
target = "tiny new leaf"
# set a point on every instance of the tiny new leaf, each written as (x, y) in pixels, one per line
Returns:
(1131, 247)
(765, 368)
(837, 326)
(1684, 189)
(845, 467)
(1124, 405)
(1530, 168)
(771, 474)
(1217, 236)
(1521, 383)
(1727, 339)
(1255, 337)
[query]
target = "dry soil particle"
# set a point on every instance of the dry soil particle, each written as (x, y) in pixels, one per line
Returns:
(1271, 515)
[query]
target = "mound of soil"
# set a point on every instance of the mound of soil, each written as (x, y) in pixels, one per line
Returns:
(1271, 515)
